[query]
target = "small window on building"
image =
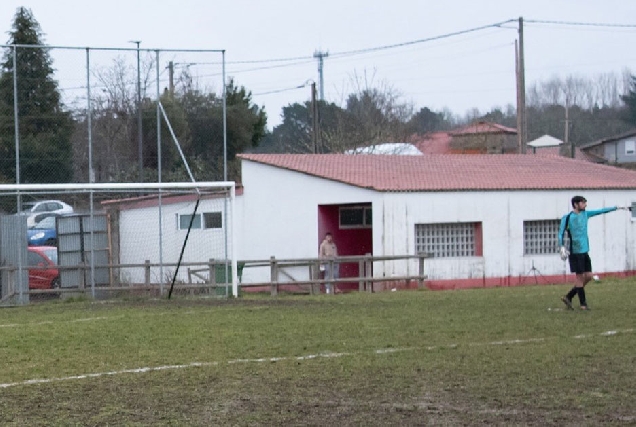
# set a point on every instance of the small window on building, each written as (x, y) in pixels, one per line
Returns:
(183, 221)
(212, 220)
(355, 217)
(457, 239)
(630, 148)
(542, 237)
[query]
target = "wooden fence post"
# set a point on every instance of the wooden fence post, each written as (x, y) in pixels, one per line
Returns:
(274, 275)
(420, 279)
(368, 272)
(314, 273)
(362, 273)
(212, 275)
(147, 273)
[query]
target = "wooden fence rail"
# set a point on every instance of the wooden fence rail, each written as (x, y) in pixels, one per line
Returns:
(215, 273)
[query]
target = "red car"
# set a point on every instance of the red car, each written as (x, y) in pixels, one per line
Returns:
(47, 277)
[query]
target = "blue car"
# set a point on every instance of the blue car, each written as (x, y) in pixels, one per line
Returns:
(43, 233)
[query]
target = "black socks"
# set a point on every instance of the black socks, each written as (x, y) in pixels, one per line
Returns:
(572, 292)
(581, 292)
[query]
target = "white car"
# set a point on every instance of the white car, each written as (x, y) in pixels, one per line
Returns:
(40, 209)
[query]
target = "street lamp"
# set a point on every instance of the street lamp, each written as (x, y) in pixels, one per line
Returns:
(139, 130)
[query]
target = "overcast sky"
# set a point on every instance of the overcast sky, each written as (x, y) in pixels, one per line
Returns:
(473, 70)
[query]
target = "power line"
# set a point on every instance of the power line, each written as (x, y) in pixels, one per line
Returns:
(428, 39)
(283, 90)
(358, 51)
(580, 24)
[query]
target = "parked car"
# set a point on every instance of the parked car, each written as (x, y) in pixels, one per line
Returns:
(35, 210)
(47, 276)
(44, 233)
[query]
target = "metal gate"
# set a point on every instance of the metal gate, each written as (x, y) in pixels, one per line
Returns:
(14, 276)
(83, 251)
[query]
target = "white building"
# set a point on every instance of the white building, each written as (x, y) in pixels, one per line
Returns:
(487, 220)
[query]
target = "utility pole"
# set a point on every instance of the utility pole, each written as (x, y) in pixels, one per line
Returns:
(519, 121)
(566, 138)
(139, 130)
(522, 120)
(321, 56)
(171, 78)
(314, 118)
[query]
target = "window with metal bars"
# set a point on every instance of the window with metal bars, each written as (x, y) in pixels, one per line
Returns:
(542, 237)
(457, 239)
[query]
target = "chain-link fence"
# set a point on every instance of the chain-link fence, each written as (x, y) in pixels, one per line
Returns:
(101, 240)
(89, 116)
(92, 114)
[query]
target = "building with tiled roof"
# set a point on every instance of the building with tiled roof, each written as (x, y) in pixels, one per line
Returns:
(453, 172)
(618, 149)
(486, 219)
(476, 138)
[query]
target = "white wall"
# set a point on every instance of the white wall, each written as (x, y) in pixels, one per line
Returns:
(139, 238)
(286, 224)
(612, 236)
(277, 215)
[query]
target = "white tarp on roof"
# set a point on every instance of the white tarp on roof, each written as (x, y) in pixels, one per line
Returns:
(397, 148)
(545, 141)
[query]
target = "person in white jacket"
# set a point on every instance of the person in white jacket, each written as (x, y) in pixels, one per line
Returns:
(328, 251)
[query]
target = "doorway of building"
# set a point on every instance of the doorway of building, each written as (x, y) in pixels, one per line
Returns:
(351, 226)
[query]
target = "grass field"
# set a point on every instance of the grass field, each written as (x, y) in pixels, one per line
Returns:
(504, 356)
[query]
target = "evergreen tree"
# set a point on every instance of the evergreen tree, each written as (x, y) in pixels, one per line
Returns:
(246, 126)
(44, 126)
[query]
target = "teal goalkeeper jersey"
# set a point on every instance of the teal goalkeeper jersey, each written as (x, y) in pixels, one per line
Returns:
(578, 229)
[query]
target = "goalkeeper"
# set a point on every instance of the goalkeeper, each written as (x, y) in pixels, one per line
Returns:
(575, 224)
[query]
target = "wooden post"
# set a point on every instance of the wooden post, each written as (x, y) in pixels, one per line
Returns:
(420, 279)
(147, 273)
(314, 273)
(361, 274)
(368, 267)
(274, 275)
(212, 275)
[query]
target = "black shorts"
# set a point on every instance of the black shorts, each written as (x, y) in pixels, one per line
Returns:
(580, 263)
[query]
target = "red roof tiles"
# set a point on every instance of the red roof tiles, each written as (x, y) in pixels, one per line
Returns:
(453, 172)
(483, 127)
(432, 143)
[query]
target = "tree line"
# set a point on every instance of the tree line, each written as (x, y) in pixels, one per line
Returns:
(597, 108)
(53, 137)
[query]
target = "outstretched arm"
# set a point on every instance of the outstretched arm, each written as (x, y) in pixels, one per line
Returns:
(601, 211)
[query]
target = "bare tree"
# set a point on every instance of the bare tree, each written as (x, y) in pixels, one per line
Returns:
(372, 114)
(114, 122)
(602, 90)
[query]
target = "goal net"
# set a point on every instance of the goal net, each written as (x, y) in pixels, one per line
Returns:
(97, 239)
